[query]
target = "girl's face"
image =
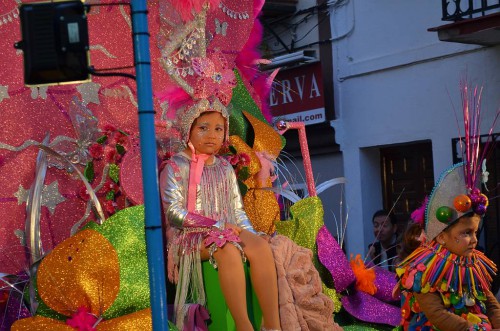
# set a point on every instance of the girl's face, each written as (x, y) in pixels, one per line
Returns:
(207, 133)
(460, 238)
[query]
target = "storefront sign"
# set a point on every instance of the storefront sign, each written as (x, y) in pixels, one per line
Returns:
(297, 95)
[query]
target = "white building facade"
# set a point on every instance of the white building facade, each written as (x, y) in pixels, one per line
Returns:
(395, 84)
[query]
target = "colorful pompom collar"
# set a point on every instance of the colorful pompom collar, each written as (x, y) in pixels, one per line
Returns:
(431, 267)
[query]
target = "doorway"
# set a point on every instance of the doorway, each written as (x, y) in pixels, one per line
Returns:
(407, 177)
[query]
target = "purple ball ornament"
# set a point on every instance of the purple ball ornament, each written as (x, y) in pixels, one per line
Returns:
(480, 209)
(444, 214)
(475, 199)
(475, 191)
(483, 200)
(281, 125)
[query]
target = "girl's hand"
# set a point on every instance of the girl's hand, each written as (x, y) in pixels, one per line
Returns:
(264, 236)
(236, 229)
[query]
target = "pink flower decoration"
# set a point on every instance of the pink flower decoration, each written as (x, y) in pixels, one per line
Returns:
(96, 151)
(120, 138)
(233, 159)
(82, 320)
(111, 154)
(110, 206)
(215, 78)
(108, 129)
(109, 186)
(221, 237)
(83, 194)
(245, 159)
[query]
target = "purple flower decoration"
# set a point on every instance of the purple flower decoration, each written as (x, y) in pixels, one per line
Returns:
(221, 237)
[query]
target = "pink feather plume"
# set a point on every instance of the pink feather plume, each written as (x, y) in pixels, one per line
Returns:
(176, 97)
(418, 215)
(247, 63)
(471, 108)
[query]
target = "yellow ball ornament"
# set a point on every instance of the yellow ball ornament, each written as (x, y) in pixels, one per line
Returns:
(485, 200)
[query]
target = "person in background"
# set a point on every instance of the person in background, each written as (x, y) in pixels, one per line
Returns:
(384, 250)
(414, 233)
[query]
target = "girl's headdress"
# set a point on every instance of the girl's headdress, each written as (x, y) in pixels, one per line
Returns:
(457, 192)
(199, 43)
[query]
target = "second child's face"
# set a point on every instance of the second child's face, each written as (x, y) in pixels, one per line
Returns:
(461, 238)
(207, 133)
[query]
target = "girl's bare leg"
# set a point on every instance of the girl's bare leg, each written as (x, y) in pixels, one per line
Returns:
(233, 284)
(263, 275)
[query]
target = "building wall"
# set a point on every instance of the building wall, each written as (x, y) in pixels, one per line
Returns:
(296, 32)
(395, 82)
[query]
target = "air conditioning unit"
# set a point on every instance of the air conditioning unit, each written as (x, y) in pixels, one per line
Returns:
(291, 59)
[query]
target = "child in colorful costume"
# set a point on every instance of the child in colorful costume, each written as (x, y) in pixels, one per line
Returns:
(445, 283)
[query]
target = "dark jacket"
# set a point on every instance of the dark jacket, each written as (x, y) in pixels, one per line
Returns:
(392, 253)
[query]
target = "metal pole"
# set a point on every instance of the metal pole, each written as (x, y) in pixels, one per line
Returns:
(154, 238)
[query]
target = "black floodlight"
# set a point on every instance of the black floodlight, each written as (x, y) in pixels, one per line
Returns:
(55, 42)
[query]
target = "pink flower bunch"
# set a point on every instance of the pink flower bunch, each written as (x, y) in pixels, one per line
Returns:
(82, 320)
(112, 155)
(96, 151)
(240, 159)
(83, 193)
(121, 138)
(108, 149)
(110, 206)
(244, 159)
(233, 159)
(108, 186)
(108, 129)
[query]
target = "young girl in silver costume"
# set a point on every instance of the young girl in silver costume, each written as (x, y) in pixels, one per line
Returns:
(204, 212)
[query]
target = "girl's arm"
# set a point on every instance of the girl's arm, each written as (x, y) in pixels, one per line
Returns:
(432, 306)
(493, 310)
(241, 217)
(174, 205)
